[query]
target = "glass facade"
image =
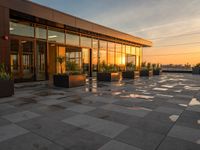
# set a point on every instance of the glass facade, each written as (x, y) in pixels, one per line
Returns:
(38, 46)
(56, 36)
(72, 39)
(21, 29)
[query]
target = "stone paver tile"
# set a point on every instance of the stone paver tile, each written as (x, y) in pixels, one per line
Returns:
(81, 108)
(115, 145)
(81, 139)
(20, 116)
(115, 117)
(100, 126)
(11, 131)
(185, 133)
(51, 102)
(4, 122)
(189, 119)
(47, 127)
(169, 110)
(135, 111)
(101, 99)
(29, 141)
(194, 108)
(171, 143)
(141, 139)
(158, 116)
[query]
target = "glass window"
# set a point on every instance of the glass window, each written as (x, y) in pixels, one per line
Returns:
(111, 46)
(128, 49)
(72, 39)
(103, 51)
(137, 51)
(95, 43)
(118, 58)
(21, 29)
(41, 33)
(111, 57)
(123, 49)
(56, 36)
(123, 59)
(103, 56)
(103, 45)
(86, 42)
(133, 50)
(118, 48)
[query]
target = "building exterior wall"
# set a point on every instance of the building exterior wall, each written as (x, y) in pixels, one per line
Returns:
(34, 43)
(4, 34)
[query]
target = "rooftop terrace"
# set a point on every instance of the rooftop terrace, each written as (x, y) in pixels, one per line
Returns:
(157, 113)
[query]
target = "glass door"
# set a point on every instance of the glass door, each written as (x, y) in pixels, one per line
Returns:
(86, 61)
(22, 59)
(41, 54)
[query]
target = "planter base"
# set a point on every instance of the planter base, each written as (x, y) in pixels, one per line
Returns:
(146, 73)
(196, 70)
(130, 74)
(6, 88)
(108, 77)
(69, 81)
(157, 72)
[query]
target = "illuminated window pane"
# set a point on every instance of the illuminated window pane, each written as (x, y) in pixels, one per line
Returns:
(72, 39)
(133, 51)
(103, 51)
(118, 48)
(111, 56)
(137, 51)
(111, 46)
(103, 56)
(21, 29)
(123, 59)
(103, 45)
(128, 49)
(86, 42)
(95, 43)
(118, 58)
(56, 36)
(123, 49)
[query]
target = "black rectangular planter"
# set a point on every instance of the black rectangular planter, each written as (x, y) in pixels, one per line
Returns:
(157, 72)
(69, 81)
(146, 73)
(6, 88)
(108, 77)
(130, 74)
(196, 70)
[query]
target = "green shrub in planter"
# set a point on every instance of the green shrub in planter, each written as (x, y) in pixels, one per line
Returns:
(73, 77)
(131, 72)
(146, 70)
(196, 69)
(6, 82)
(156, 69)
(108, 72)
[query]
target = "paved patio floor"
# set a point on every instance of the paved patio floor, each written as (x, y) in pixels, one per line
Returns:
(159, 113)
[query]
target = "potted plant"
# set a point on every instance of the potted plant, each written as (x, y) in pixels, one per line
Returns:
(108, 73)
(196, 69)
(156, 69)
(131, 72)
(6, 83)
(146, 70)
(73, 77)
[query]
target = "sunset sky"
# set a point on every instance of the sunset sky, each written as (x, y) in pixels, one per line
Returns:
(172, 25)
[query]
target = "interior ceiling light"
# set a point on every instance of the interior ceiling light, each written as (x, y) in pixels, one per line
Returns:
(52, 36)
